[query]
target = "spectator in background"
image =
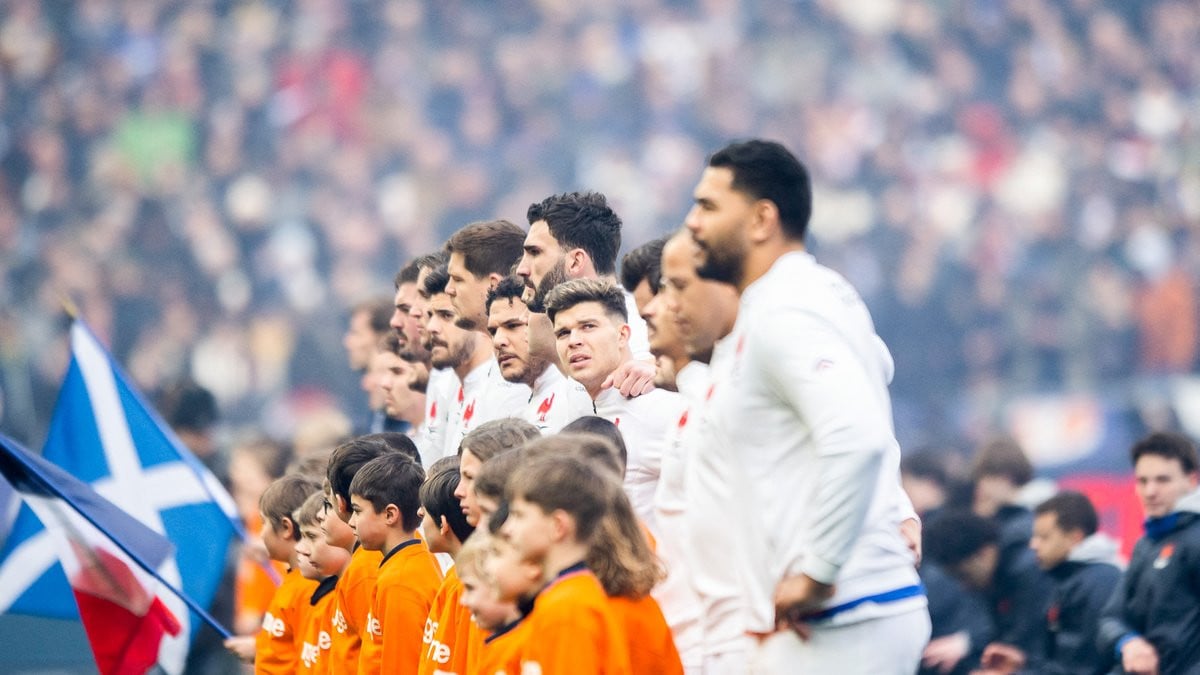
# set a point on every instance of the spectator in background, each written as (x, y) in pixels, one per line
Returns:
(253, 465)
(961, 625)
(1151, 623)
(998, 473)
(191, 412)
(1083, 564)
(1016, 590)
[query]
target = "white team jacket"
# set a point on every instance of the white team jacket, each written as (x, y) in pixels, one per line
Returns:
(556, 401)
(645, 425)
(484, 396)
(806, 415)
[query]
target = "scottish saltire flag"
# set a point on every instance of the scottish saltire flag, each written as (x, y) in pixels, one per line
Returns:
(109, 558)
(104, 434)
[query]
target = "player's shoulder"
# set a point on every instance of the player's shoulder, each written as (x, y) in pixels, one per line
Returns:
(660, 401)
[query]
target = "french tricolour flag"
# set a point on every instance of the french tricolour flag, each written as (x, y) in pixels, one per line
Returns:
(109, 558)
(105, 435)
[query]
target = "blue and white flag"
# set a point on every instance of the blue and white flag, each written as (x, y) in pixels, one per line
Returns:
(103, 433)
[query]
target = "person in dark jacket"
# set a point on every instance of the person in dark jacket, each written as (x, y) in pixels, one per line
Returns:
(998, 473)
(1151, 623)
(1083, 564)
(961, 625)
(1017, 591)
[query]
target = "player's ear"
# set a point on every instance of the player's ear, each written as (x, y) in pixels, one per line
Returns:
(764, 222)
(444, 526)
(341, 504)
(391, 515)
(576, 261)
(288, 530)
(623, 334)
(562, 525)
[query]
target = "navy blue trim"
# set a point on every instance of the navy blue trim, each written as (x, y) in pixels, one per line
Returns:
(502, 631)
(399, 547)
(904, 593)
(577, 567)
(323, 589)
(1157, 528)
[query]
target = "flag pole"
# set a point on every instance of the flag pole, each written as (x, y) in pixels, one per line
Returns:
(48, 485)
(69, 305)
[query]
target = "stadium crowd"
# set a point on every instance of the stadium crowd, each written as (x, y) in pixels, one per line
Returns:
(214, 183)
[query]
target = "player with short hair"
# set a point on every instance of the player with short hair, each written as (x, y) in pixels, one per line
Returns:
(276, 647)
(806, 410)
(357, 582)
(322, 562)
(592, 336)
(444, 527)
(483, 393)
(577, 235)
(481, 255)
(525, 351)
(385, 501)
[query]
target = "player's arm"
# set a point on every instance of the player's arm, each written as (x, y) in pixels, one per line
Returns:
(1113, 632)
(813, 370)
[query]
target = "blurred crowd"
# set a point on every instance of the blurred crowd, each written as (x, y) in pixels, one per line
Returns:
(1013, 186)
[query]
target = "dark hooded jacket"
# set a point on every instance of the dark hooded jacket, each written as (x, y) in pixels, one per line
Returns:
(1082, 585)
(1158, 598)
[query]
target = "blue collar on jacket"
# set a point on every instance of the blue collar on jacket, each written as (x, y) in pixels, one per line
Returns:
(1157, 528)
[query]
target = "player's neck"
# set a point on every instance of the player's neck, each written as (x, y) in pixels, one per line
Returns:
(479, 355)
(396, 537)
(760, 259)
(415, 413)
(561, 556)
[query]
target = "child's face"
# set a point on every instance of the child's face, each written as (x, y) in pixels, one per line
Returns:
(529, 529)
(488, 612)
(511, 576)
(468, 467)
(310, 533)
(337, 532)
(369, 525)
(432, 532)
(326, 559)
(487, 506)
(279, 545)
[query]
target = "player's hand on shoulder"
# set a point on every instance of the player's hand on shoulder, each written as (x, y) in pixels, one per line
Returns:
(632, 378)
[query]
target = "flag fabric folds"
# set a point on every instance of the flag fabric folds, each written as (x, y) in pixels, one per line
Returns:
(102, 551)
(103, 433)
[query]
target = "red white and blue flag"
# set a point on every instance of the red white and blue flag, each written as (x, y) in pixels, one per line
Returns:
(105, 435)
(103, 551)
